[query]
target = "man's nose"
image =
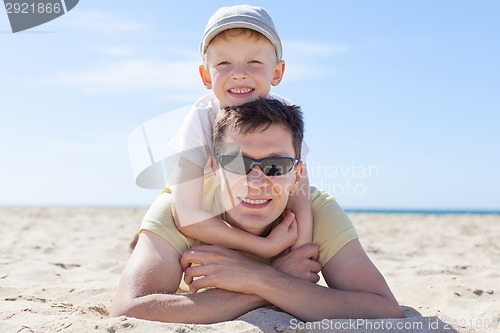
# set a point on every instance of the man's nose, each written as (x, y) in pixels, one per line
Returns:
(256, 176)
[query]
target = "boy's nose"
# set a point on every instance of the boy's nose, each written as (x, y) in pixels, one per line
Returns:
(239, 73)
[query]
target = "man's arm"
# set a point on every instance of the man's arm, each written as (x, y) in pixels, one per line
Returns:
(150, 279)
(356, 288)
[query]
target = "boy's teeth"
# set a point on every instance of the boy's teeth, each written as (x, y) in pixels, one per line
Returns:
(240, 91)
(254, 202)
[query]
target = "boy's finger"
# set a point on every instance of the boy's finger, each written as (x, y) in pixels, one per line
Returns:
(293, 226)
(285, 213)
(309, 250)
(289, 218)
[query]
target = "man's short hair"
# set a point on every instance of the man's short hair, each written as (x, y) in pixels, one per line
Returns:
(260, 115)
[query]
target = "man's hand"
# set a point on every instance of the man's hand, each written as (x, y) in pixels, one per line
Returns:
(301, 263)
(213, 266)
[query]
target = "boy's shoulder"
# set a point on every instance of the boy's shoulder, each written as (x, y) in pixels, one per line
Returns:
(207, 101)
(280, 98)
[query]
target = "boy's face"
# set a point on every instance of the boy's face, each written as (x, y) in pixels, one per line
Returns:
(254, 201)
(241, 68)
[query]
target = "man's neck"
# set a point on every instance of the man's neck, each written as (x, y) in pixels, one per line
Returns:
(255, 231)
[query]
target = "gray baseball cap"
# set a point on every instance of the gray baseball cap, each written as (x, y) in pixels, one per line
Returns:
(241, 16)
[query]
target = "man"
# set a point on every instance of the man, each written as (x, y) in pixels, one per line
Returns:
(252, 142)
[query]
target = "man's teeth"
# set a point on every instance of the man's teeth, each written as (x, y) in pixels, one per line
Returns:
(254, 202)
(241, 90)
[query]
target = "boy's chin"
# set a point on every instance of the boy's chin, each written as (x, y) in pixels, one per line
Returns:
(240, 101)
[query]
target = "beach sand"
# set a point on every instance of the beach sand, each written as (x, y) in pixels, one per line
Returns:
(59, 268)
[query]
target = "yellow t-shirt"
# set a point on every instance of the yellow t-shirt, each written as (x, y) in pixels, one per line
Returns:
(332, 229)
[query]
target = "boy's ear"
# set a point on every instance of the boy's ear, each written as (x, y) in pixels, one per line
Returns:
(279, 71)
(205, 77)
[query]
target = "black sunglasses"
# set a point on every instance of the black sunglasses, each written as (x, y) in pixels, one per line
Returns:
(271, 166)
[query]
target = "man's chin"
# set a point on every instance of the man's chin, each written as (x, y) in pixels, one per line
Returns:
(247, 222)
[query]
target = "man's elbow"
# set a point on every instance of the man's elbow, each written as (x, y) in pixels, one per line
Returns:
(393, 310)
(397, 312)
(117, 311)
(387, 307)
(126, 309)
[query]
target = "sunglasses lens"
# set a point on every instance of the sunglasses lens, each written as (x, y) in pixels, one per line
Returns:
(242, 165)
(234, 164)
(277, 166)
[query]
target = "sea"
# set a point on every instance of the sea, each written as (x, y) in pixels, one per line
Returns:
(422, 211)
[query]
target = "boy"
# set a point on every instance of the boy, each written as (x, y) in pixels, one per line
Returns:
(241, 53)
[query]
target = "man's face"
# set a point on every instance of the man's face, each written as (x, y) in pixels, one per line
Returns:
(254, 201)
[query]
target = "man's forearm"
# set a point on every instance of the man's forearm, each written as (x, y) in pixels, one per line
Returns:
(315, 302)
(211, 306)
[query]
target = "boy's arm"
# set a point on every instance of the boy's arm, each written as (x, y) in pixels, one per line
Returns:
(194, 222)
(300, 204)
(150, 279)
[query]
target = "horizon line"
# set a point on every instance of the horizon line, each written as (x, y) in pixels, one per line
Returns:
(380, 210)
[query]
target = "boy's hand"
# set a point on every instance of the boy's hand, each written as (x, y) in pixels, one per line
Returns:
(282, 236)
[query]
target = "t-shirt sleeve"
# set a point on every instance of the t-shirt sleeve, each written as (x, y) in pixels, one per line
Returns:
(159, 220)
(332, 228)
(193, 140)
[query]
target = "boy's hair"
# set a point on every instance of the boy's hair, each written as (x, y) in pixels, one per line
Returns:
(234, 32)
(259, 115)
(241, 16)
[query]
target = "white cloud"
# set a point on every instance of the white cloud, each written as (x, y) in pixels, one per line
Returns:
(300, 70)
(138, 74)
(306, 60)
(298, 48)
(178, 73)
(119, 51)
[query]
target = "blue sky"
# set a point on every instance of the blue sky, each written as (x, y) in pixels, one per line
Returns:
(401, 98)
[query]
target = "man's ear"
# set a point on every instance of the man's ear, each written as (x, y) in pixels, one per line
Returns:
(214, 167)
(213, 163)
(205, 77)
(299, 169)
(279, 71)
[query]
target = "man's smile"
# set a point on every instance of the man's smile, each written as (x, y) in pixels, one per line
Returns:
(254, 203)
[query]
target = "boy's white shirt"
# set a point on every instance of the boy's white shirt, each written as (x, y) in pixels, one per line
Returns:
(194, 139)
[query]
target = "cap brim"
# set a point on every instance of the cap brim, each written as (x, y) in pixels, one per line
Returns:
(207, 38)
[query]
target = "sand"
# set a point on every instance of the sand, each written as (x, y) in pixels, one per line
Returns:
(59, 268)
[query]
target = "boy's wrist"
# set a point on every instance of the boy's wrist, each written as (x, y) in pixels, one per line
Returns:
(267, 248)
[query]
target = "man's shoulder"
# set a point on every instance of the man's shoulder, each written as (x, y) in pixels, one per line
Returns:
(320, 198)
